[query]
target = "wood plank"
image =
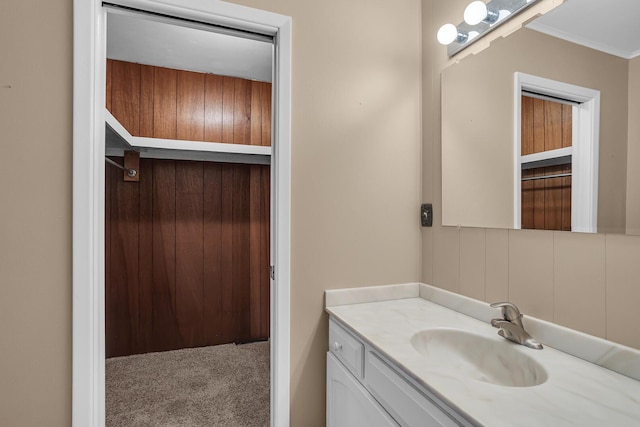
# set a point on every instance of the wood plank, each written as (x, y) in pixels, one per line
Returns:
(125, 95)
(242, 112)
(255, 229)
(213, 325)
(165, 329)
(127, 235)
(122, 296)
(213, 108)
(566, 199)
(108, 84)
(147, 73)
(553, 200)
(265, 250)
(526, 121)
(256, 113)
(189, 252)
(266, 114)
(526, 201)
(553, 126)
(538, 125)
(241, 250)
(165, 103)
(538, 200)
(228, 104)
(567, 123)
(227, 240)
(190, 110)
(145, 257)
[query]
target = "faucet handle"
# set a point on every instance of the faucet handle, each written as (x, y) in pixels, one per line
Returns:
(509, 311)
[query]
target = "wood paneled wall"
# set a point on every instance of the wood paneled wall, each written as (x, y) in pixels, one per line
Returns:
(546, 203)
(161, 102)
(546, 125)
(187, 256)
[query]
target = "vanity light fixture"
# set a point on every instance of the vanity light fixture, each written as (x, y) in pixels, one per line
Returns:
(448, 33)
(478, 12)
(479, 19)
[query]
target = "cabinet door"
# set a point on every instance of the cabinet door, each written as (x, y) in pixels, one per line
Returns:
(349, 404)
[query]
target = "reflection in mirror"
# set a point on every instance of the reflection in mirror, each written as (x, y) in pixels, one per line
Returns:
(480, 127)
(556, 155)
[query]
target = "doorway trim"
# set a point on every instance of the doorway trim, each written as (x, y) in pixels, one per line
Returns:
(89, 47)
(584, 147)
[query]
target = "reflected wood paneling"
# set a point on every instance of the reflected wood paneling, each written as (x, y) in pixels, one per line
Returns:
(552, 125)
(187, 256)
(567, 125)
(175, 104)
(545, 125)
(545, 203)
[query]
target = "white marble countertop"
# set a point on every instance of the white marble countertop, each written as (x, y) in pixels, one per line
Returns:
(576, 393)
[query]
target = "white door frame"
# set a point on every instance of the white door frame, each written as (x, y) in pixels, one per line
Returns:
(89, 47)
(584, 147)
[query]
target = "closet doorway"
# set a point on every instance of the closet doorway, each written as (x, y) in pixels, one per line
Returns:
(196, 205)
(187, 224)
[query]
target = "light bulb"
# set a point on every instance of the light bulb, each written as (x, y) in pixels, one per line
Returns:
(447, 34)
(475, 13)
(503, 14)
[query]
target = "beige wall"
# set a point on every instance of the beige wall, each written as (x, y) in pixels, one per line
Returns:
(35, 213)
(477, 126)
(356, 165)
(587, 282)
(355, 185)
(633, 160)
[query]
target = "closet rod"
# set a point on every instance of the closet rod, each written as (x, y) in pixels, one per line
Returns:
(130, 172)
(533, 178)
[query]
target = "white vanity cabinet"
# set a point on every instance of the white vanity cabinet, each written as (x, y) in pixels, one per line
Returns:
(348, 402)
(366, 389)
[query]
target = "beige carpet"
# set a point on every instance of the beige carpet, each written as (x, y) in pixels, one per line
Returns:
(225, 385)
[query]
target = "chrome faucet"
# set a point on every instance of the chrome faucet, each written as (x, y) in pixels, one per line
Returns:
(511, 326)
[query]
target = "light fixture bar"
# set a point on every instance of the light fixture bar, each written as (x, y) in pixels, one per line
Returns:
(506, 10)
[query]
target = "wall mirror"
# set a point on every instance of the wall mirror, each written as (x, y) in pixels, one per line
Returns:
(509, 160)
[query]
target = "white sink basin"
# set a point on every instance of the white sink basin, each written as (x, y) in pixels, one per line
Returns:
(472, 356)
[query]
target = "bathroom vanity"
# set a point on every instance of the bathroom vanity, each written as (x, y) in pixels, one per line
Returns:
(415, 355)
(385, 397)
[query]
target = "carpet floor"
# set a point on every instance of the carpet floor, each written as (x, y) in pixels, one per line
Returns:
(224, 385)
